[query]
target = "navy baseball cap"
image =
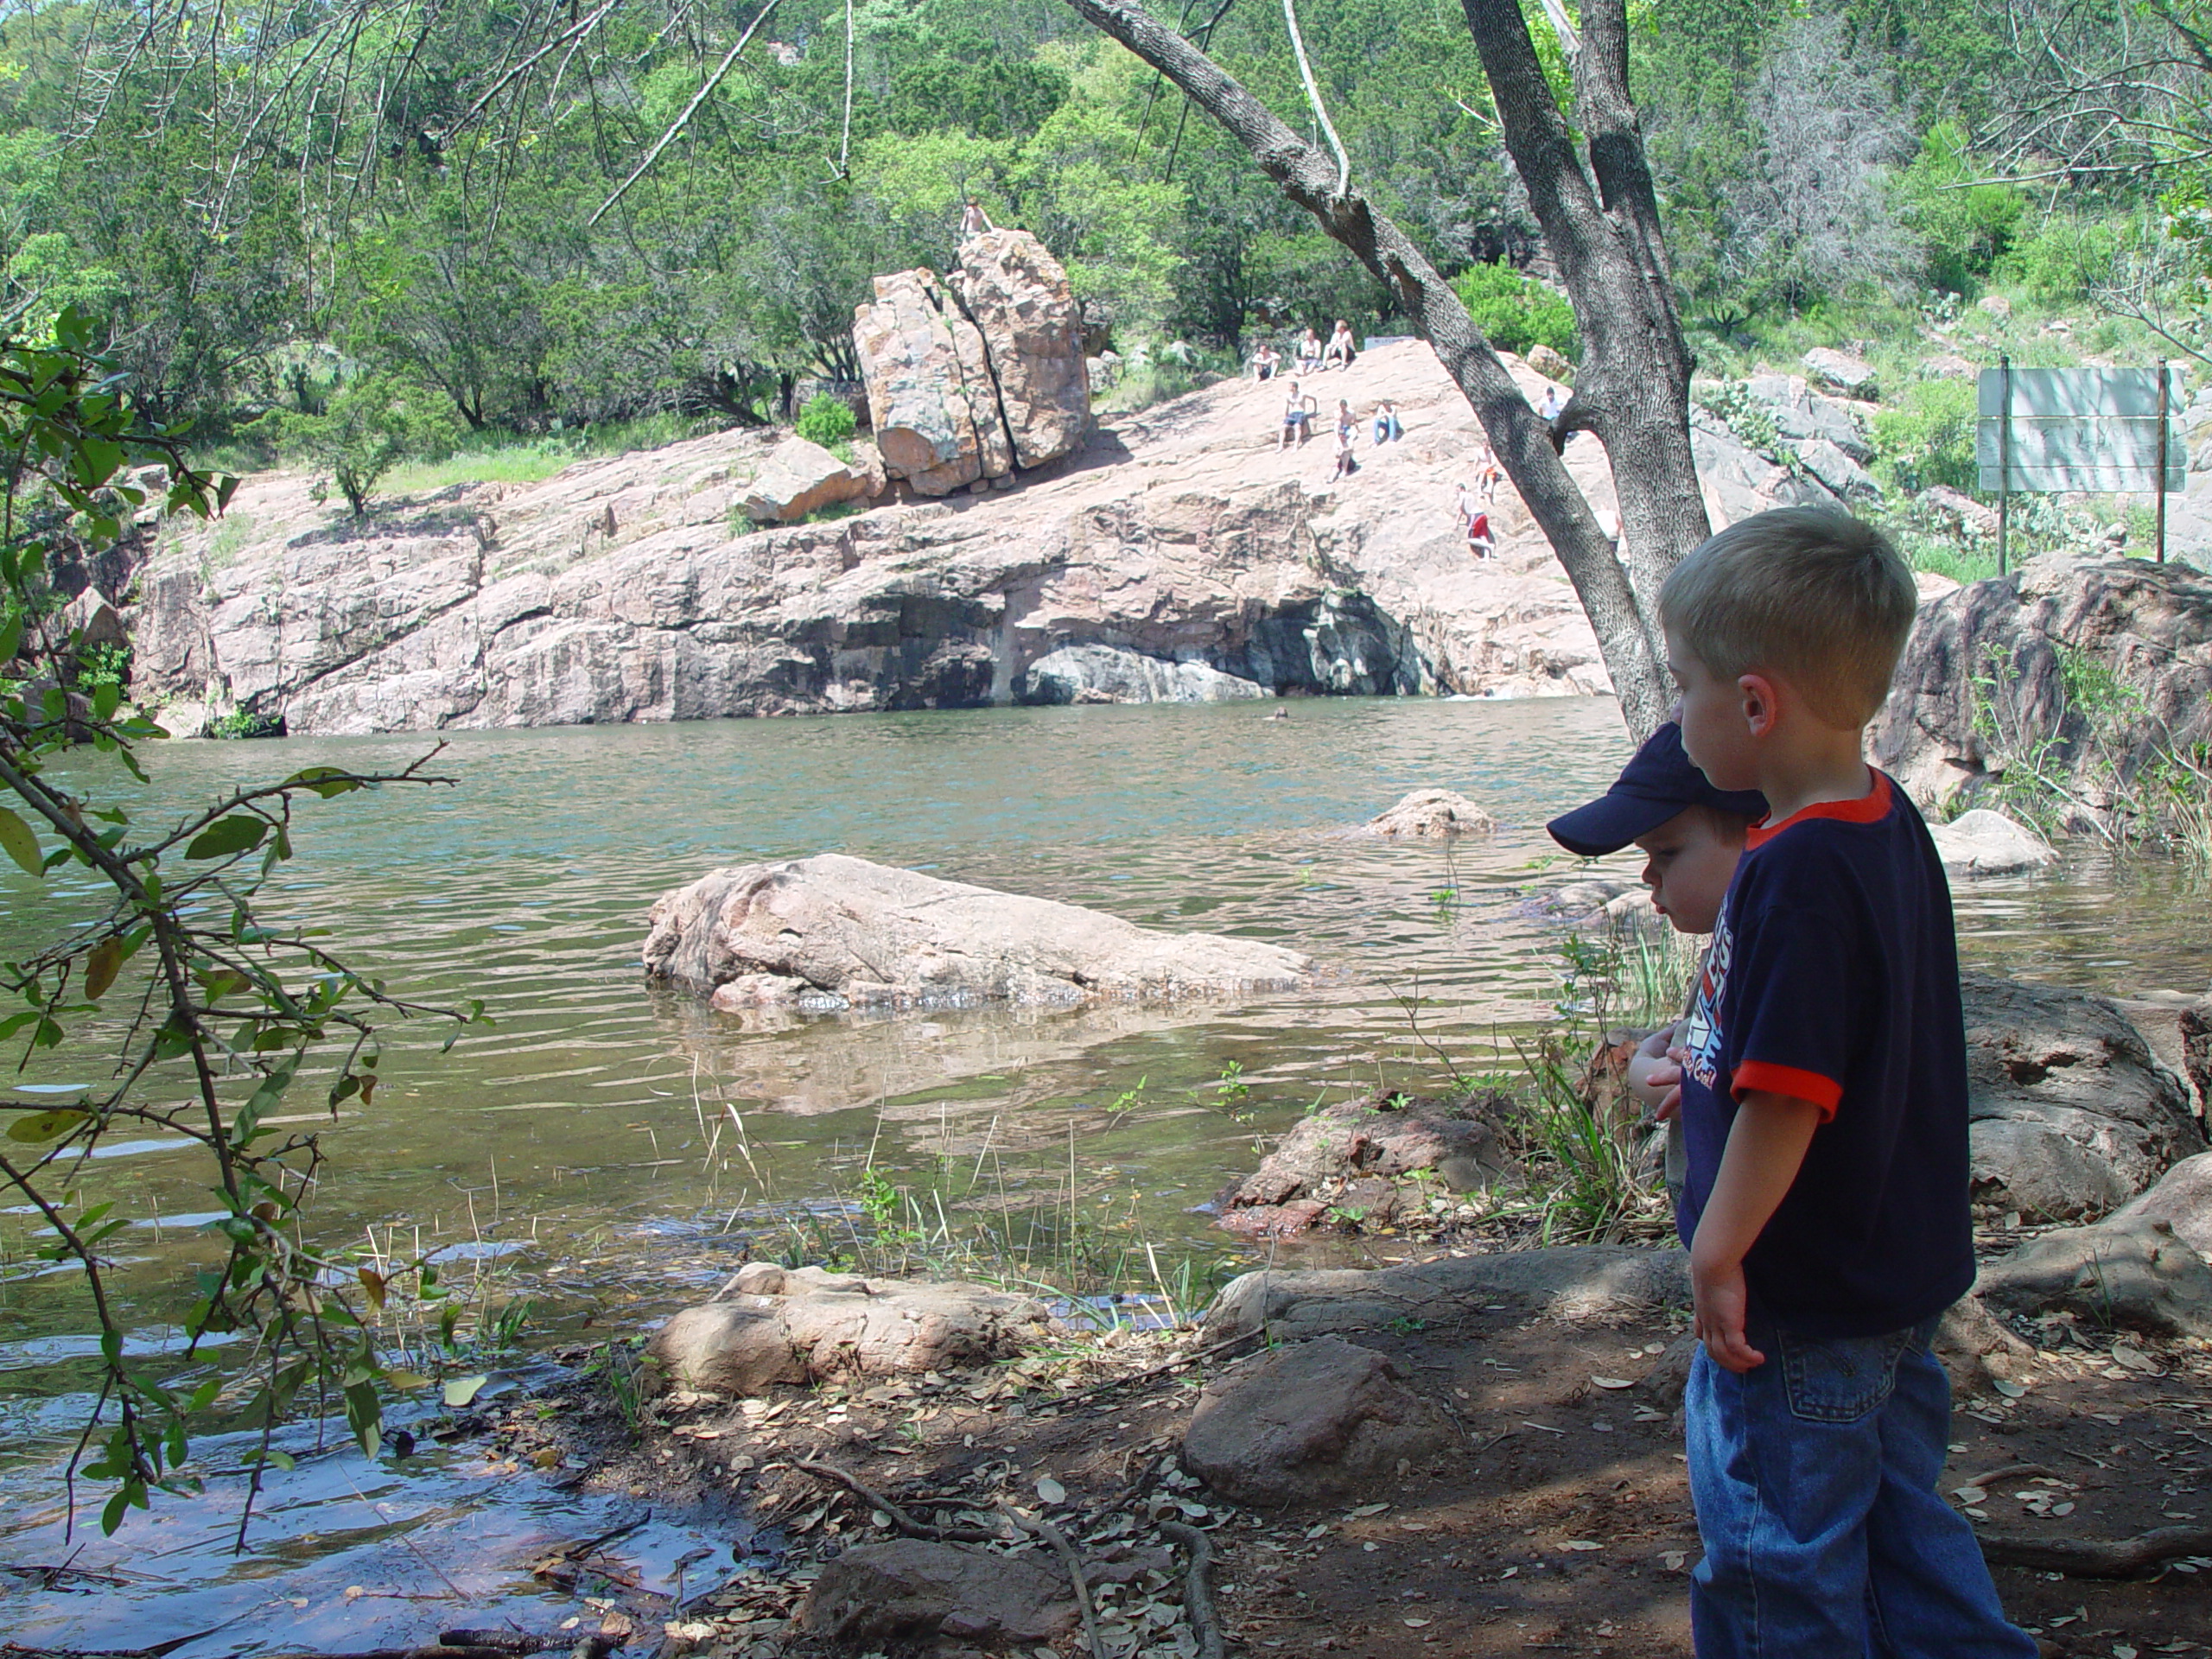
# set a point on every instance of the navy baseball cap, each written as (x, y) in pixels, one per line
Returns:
(1652, 788)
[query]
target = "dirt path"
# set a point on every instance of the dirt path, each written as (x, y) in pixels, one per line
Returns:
(1563, 1524)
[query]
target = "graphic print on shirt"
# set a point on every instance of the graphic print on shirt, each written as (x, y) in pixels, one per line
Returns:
(1703, 1038)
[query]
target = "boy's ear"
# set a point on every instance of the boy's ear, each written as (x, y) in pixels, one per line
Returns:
(1760, 704)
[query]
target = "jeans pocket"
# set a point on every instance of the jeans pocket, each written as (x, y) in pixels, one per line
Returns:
(1840, 1379)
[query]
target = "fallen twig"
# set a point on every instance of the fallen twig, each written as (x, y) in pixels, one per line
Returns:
(1197, 1593)
(1052, 1534)
(2083, 1557)
(2010, 1472)
(1151, 1371)
(898, 1517)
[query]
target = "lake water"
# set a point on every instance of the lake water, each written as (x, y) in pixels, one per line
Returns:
(617, 1148)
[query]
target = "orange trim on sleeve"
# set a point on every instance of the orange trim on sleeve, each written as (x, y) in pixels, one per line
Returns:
(1871, 808)
(1808, 1086)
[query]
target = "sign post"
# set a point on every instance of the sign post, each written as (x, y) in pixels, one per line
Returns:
(2099, 431)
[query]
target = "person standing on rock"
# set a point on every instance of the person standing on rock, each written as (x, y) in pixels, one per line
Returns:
(1297, 412)
(1347, 431)
(1824, 1117)
(974, 221)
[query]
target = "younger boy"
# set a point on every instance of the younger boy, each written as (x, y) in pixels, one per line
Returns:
(1692, 835)
(1823, 1109)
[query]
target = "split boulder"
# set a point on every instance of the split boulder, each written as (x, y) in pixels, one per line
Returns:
(1017, 295)
(830, 933)
(798, 1327)
(1310, 1423)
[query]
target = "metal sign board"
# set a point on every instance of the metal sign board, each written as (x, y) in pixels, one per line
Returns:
(2092, 429)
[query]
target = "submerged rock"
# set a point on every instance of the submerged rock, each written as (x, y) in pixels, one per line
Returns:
(2071, 1113)
(802, 1325)
(1310, 1422)
(829, 933)
(907, 1590)
(1432, 815)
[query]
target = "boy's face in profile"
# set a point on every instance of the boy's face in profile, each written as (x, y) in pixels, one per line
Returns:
(1688, 861)
(1716, 735)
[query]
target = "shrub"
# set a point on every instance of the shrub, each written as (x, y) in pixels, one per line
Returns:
(367, 429)
(827, 420)
(1928, 437)
(1964, 227)
(1517, 312)
(2057, 263)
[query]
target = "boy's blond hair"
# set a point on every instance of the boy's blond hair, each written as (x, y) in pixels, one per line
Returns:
(1811, 593)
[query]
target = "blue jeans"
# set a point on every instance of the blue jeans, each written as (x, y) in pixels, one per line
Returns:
(1814, 1480)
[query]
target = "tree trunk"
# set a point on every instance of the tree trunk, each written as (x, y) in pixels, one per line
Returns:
(1632, 391)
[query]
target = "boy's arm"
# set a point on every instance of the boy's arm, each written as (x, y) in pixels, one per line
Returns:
(1766, 1145)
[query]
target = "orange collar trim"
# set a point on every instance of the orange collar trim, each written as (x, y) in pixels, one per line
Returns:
(1871, 808)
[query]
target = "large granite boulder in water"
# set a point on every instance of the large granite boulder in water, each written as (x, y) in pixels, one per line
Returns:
(1991, 675)
(830, 932)
(973, 376)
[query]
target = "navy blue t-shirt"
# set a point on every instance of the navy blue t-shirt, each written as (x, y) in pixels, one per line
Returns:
(1834, 977)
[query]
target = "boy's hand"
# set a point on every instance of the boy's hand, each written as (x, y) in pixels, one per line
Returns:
(1717, 1295)
(1655, 1077)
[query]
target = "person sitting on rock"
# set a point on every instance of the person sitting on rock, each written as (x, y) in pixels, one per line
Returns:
(974, 221)
(1309, 352)
(1297, 412)
(1553, 404)
(1339, 349)
(1265, 361)
(1387, 429)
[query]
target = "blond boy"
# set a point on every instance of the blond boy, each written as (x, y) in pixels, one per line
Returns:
(1824, 1118)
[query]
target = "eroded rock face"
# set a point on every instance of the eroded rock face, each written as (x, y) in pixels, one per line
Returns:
(1171, 558)
(806, 1324)
(2182, 1199)
(1017, 295)
(829, 933)
(1308, 1423)
(2148, 626)
(2071, 1115)
(907, 1590)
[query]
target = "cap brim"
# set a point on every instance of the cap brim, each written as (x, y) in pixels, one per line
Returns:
(1609, 824)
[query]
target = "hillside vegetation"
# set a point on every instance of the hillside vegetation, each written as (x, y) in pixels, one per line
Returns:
(365, 236)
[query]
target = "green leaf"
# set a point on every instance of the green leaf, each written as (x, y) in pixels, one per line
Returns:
(283, 1459)
(11, 635)
(325, 781)
(42, 1126)
(112, 1514)
(106, 699)
(460, 1390)
(102, 965)
(19, 844)
(365, 1416)
(239, 833)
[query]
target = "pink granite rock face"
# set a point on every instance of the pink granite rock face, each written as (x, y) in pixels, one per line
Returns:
(1018, 296)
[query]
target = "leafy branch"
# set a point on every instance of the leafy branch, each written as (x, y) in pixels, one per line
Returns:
(179, 970)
